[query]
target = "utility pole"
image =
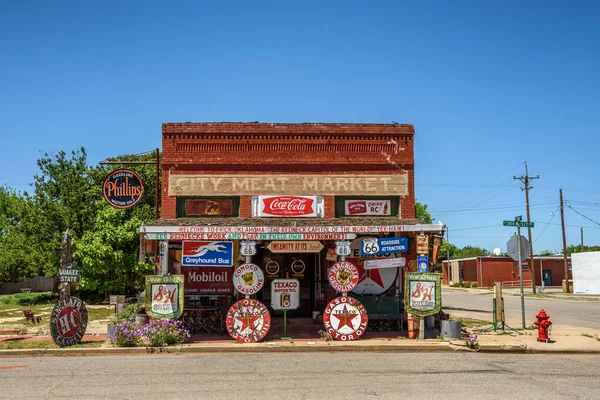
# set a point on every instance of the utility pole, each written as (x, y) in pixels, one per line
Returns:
(526, 179)
(582, 239)
(564, 237)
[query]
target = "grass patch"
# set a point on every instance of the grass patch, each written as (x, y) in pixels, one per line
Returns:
(46, 344)
(28, 299)
(472, 323)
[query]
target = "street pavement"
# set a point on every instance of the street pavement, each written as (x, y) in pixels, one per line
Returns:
(320, 376)
(477, 304)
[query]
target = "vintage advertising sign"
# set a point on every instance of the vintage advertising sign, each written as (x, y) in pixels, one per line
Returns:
(68, 321)
(69, 273)
(342, 248)
(422, 244)
(343, 276)
(291, 229)
(208, 207)
(423, 293)
(384, 263)
(248, 321)
(378, 246)
(287, 206)
(164, 296)
(123, 188)
(278, 246)
(281, 184)
(367, 207)
(249, 236)
(247, 248)
(422, 264)
(248, 279)
(207, 280)
(285, 294)
(345, 318)
(371, 281)
(201, 253)
(272, 268)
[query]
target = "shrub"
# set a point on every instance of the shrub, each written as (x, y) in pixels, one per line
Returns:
(474, 285)
(128, 314)
(28, 299)
(126, 334)
(159, 333)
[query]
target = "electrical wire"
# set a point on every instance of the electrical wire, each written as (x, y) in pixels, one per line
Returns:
(584, 216)
(547, 225)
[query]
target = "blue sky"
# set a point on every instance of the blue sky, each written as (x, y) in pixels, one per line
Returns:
(487, 84)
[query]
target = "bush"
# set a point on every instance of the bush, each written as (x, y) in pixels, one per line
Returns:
(28, 299)
(159, 333)
(126, 334)
(128, 314)
(474, 285)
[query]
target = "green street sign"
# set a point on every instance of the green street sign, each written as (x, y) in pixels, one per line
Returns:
(522, 224)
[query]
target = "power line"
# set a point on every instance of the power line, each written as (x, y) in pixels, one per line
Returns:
(584, 216)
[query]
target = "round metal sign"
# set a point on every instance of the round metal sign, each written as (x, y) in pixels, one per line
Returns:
(248, 279)
(248, 321)
(123, 188)
(298, 267)
(272, 267)
(345, 318)
(343, 276)
(68, 321)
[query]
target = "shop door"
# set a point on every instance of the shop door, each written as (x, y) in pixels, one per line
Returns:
(547, 277)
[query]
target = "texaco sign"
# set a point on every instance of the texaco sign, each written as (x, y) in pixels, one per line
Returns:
(343, 276)
(345, 318)
(248, 321)
(248, 279)
(68, 322)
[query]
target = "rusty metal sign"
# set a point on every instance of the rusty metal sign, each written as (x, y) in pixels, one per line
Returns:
(343, 276)
(248, 321)
(345, 318)
(68, 321)
(248, 279)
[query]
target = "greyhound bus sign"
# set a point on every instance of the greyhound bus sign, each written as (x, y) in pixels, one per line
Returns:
(205, 253)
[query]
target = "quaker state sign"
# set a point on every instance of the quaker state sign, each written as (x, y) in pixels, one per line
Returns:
(345, 318)
(423, 293)
(343, 276)
(248, 279)
(248, 321)
(68, 321)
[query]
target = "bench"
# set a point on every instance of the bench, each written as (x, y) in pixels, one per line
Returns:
(30, 317)
(26, 290)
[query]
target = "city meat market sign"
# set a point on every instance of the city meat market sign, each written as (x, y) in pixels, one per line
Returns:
(68, 321)
(248, 321)
(343, 276)
(423, 293)
(164, 296)
(248, 279)
(300, 185)
(123, 188)
(345, 318)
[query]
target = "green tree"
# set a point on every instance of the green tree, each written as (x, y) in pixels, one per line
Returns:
(576, 248)
(471, 251)
(422, 213)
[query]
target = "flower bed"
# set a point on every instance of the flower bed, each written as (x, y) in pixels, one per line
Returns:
(156, 333)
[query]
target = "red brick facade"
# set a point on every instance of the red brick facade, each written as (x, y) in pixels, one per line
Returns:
(307, 148)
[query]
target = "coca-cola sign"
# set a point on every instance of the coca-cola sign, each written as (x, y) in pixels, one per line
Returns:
(287, 206)
(207, 280)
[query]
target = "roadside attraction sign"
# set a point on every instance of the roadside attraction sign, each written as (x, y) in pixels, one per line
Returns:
(164, 298)
(343, 276)
(423, 293)
(248, 321)
(379, 246)
(68, 321)
(345, 318)
(248, 279)
(123, 188)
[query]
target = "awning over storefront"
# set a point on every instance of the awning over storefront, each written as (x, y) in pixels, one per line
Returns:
(279, 228)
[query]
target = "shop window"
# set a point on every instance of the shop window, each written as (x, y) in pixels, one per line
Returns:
(202, 207)
(372, 206)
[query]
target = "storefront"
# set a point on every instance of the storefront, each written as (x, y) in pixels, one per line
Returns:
(293, 199)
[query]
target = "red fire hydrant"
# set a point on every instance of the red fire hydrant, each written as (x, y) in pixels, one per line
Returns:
(543, 324)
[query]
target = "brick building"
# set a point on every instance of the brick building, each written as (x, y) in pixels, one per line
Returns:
(228, 181)
(484, 271)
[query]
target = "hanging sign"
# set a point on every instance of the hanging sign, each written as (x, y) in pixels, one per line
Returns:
(123, 188)
(298, 267)
(384, 263)
(164, 296)
(345, 318)
(422, 264)
(277, 246)
(272, 268)
(367, 207)
(69, 273)
(423, 293)
(207, 280)
(248, 279)
(248, 321)
(422, 244)
(285, 294)
(378, 246)
(68, 321)
(287, 206)
(343, 276)
(213, 254)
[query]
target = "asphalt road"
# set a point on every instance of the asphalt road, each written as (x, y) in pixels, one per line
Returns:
(290, 376)
(585, 313)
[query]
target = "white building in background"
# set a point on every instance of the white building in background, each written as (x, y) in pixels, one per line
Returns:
(586, 272)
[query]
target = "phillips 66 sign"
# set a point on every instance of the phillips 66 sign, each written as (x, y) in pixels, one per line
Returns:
(423, 293)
